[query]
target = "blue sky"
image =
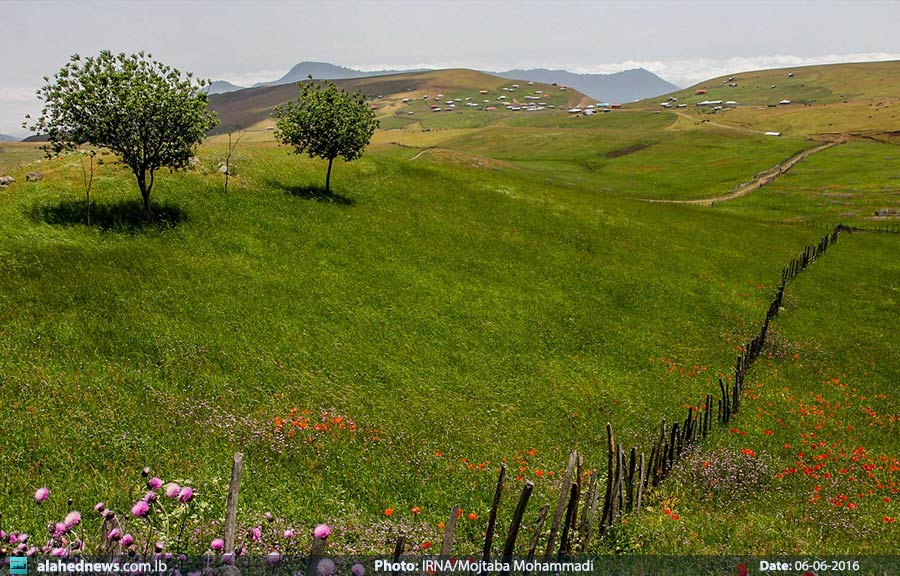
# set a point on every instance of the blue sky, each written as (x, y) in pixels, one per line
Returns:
(245, 42)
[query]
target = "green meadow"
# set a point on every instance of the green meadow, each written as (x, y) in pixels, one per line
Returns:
(470, 295)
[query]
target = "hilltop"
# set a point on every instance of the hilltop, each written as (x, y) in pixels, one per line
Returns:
(245, 108)
(852, 99)
(8, 138)
(625, 86)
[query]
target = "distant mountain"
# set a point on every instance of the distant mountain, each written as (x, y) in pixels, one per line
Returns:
(8, 138)
(326, 71)
(222, 87)
(626, 86)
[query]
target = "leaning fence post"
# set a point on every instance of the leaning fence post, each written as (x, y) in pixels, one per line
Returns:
(561, 505)
(492, 522)
(509, 546)
(231, 504)
(450, 531)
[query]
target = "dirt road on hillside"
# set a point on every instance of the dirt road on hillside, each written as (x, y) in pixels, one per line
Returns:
(758, 182)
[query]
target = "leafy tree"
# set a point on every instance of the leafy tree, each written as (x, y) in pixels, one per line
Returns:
(150, 114)
(326, 122)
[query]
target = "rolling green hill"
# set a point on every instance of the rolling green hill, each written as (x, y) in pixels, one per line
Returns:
(837, 99)
(252, 107)
(478, 289)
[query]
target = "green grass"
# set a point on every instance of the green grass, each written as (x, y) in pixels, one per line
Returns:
(458, 315)
(847, 183)
(820, 416)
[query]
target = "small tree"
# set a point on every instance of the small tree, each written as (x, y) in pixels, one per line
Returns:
(148, 113)
(326, 122)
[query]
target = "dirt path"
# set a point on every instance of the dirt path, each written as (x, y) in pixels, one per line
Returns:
(758, 182)
(696, 120)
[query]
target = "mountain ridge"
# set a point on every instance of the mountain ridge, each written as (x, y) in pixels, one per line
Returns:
(624, 86)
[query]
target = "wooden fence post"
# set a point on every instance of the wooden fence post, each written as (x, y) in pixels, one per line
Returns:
(492, 522)
(509, 546)
(231, 504)
(450, 531)
(561, 505)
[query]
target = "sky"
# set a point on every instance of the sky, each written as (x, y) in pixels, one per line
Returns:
(684, 42)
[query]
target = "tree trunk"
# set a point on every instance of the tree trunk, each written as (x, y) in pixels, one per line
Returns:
(328, 177)
(145, 190)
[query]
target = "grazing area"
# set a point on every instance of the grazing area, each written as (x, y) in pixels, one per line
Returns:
(478, 288)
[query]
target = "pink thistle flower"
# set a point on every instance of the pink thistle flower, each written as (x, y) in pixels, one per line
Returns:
(186, 494)
(140, 509)
(217, 544)
(154, 483)
(172, 490)
(150, 497)
(72, 519)
(100, 507)
(322, 531)
(114, 534)
(59, 529)
(358, 570)
(59, 552)
(127, 540)
(41, 494)
(289, 533)
(256, 534)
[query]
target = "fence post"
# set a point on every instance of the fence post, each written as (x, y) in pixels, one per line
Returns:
(561, 505)
(450, 531)
(492, 522)
(231, 504)
(510, 545)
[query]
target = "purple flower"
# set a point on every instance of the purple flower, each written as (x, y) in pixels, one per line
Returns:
(322, 531)
(114, 534)
(154, 483)
(186, 494)
(325, 567)
(72, 519)
(358, 570)
(23, 537)
(127, 540)
(140, 508)
(59, 529)
(41, 494)
(100, 507)
(268, 516)
(217, 544)
(146, 471)
(149, 497)
(12, 537)
(289, 533)
(59, 552)
(256, 534)
(172, 489)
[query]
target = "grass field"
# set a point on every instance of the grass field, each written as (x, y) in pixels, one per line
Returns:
(498, 298)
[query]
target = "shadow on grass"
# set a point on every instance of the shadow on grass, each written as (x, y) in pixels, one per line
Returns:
(313, 192)
(125, 216)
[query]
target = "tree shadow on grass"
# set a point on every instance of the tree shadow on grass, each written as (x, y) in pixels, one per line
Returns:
(313, 192)
(124, 216)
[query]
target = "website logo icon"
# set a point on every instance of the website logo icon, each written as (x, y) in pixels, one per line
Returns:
(18, 565)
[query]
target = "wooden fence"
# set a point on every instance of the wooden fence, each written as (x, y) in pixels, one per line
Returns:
(579, 513)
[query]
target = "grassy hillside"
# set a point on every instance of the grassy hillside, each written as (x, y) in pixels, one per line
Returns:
(253, 107)
(860, 99)
(470, 294)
